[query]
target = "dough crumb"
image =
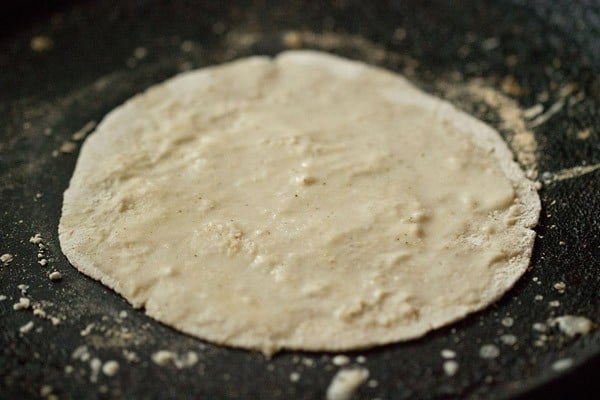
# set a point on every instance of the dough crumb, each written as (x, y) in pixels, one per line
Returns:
(41, 43)
(27, 327)
(572, 325)
(95, 366)
(110, 368)
(533, 111)
(508, 339)
(584, 134)
(345, 383)
(6, 259)
(447, 353)
(294, 377)
(165, 357)
(36, 239)
(46, 390)
(23, 304)
(67, 147)
(38, 312)
(340, 360)
(507, 322)
(489, 351)
(55, 276)
(3, 297)
(560, 286)
(88, 329)
(450, 367)
(562, 364)
(189, 360)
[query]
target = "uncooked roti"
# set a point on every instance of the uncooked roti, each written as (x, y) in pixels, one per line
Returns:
(301, 202)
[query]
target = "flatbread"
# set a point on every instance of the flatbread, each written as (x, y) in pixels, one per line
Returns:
(302, 202)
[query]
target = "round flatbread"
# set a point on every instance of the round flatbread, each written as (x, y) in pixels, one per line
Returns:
(301, 202)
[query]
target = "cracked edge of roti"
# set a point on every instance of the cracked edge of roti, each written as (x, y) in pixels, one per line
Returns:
(482, 136)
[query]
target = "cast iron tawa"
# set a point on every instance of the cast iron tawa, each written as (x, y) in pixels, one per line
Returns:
(98, 54)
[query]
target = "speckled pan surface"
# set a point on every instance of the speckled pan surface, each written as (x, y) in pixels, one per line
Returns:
(529, 69)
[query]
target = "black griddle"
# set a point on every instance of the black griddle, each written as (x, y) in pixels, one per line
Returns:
(46, 96)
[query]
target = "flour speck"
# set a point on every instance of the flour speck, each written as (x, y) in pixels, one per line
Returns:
(450, 367)
(489, 351)
(110, 368)
(447, 353)
(27, 327)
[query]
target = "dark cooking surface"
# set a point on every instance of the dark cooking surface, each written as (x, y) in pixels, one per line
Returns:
(91, 69)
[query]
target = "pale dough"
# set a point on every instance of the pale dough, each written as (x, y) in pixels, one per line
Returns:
(302, 202)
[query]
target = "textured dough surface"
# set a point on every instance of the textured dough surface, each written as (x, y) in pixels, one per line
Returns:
(301, 202)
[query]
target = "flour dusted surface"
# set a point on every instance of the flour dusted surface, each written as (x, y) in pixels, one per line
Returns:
(303, 202)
